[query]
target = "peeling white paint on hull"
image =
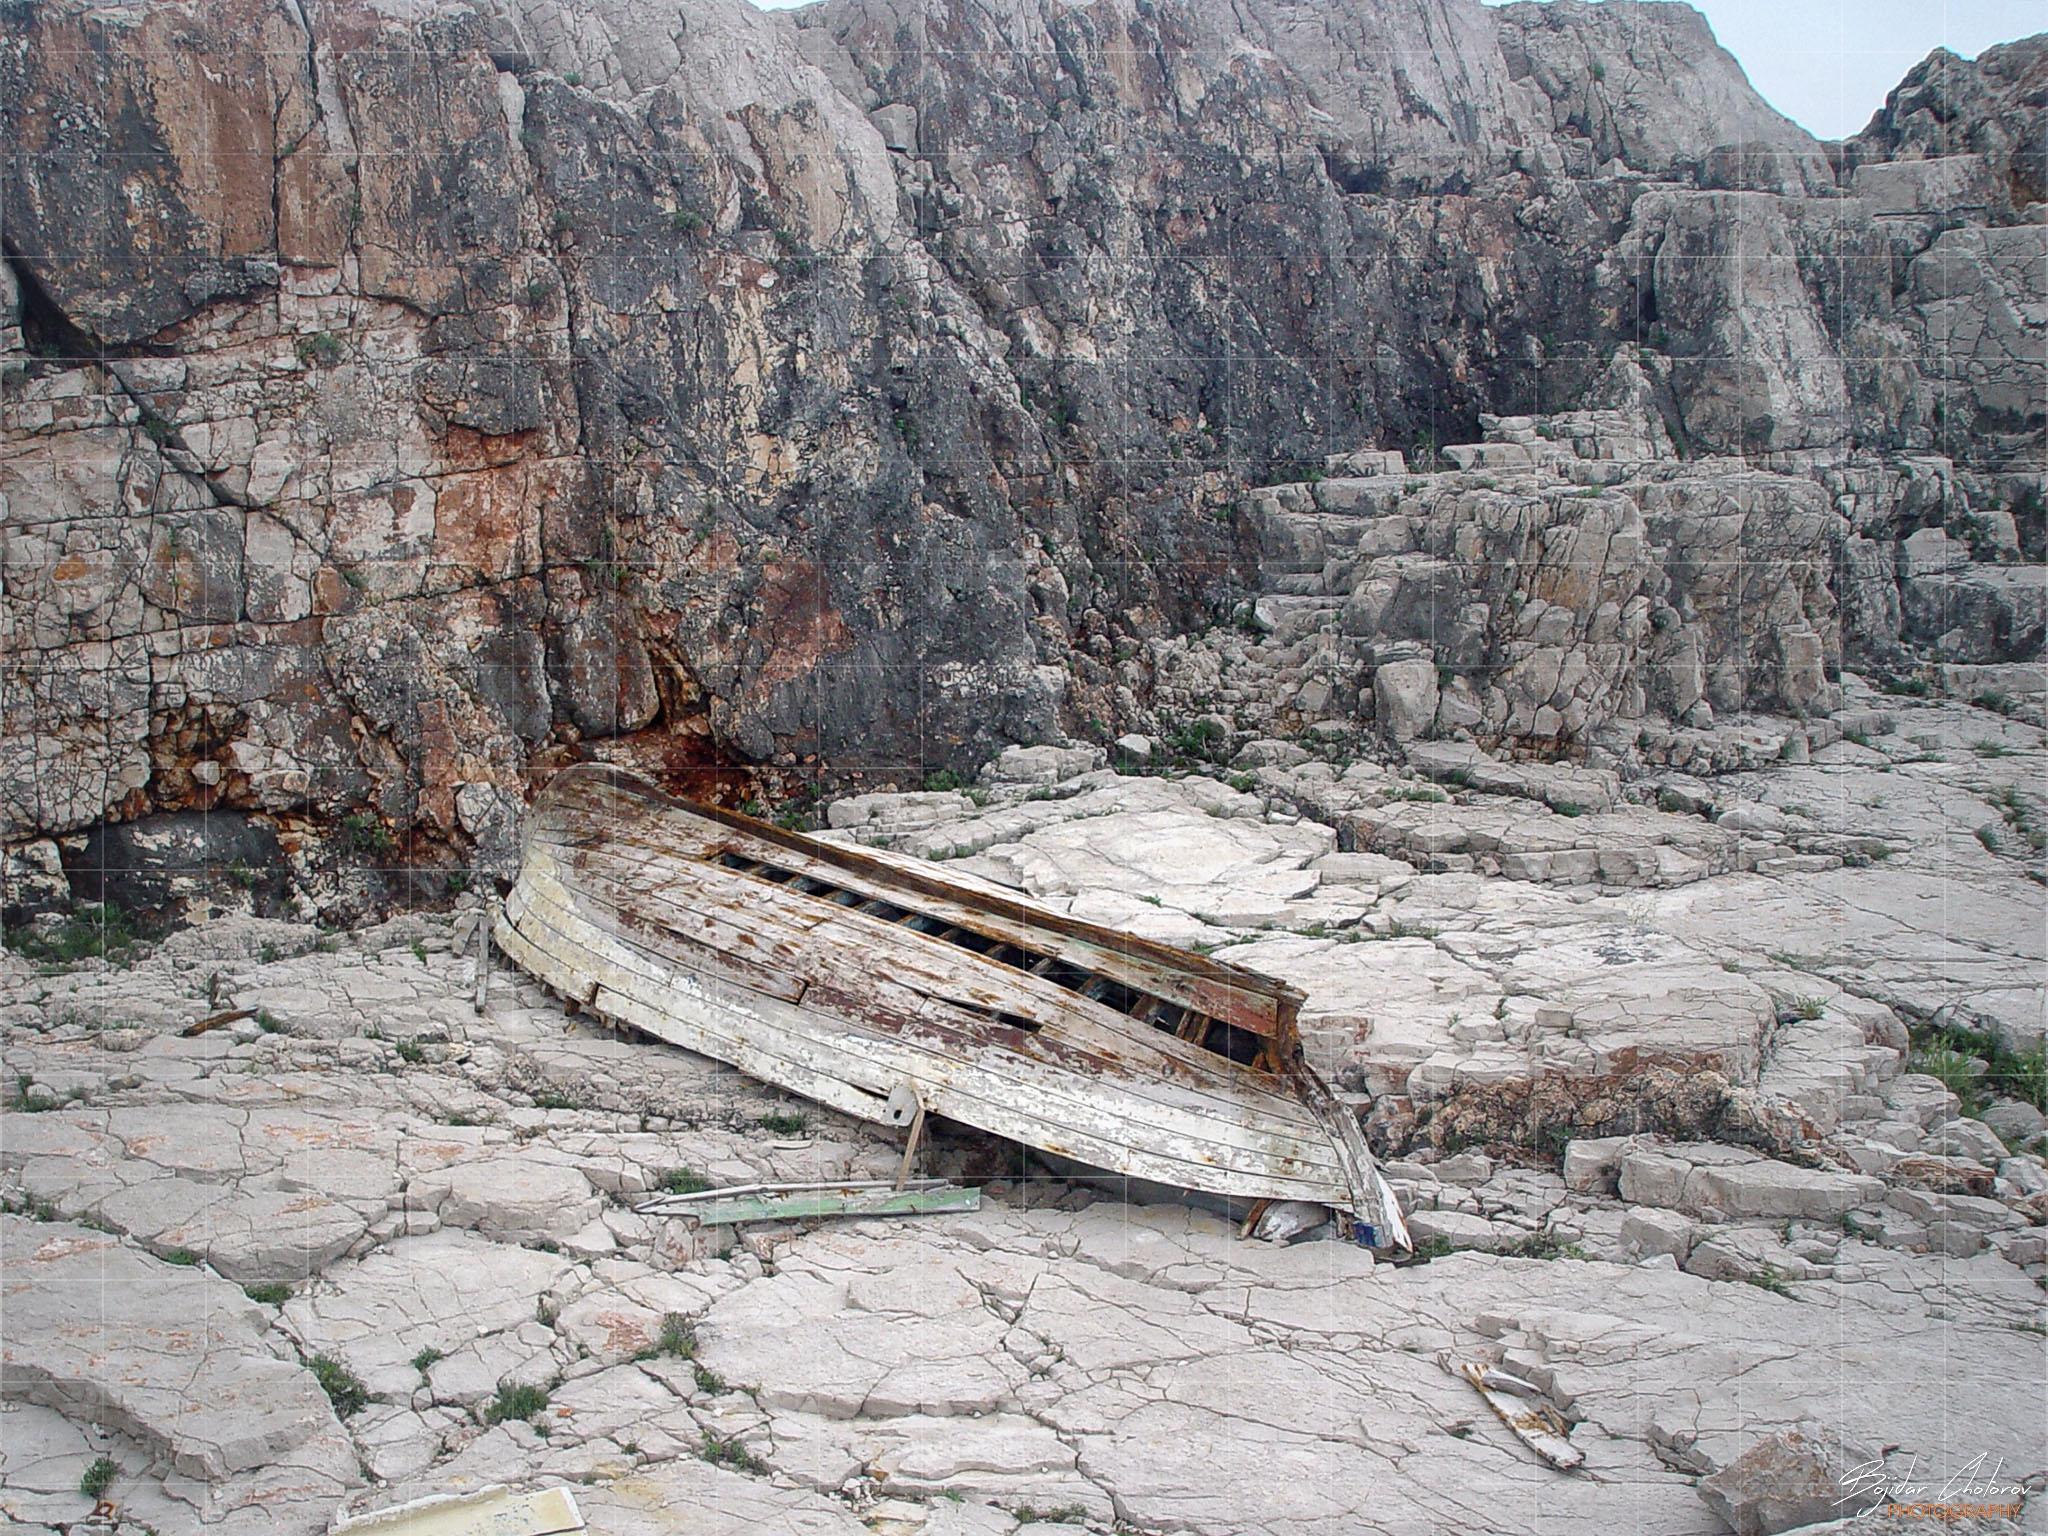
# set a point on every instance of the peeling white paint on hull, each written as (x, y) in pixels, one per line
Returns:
(841, 977)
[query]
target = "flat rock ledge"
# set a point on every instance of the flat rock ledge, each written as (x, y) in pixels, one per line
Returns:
(1669, 1152)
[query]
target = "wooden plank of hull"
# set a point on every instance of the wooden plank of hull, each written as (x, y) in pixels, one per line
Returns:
(597, 807)
(917, 974)
(1240, 1139)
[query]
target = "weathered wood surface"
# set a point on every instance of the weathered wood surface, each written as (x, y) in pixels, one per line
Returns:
(1535, 1422)
(626, 903)
(726, 1208)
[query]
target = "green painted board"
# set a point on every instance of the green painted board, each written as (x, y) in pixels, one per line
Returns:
(857, 1202)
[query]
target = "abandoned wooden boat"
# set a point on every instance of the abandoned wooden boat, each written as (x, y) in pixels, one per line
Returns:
(880, 990)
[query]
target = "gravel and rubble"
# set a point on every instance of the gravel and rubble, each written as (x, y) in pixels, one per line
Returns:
(1669, 1149)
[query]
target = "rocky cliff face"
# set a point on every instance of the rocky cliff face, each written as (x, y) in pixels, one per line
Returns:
(400, 398)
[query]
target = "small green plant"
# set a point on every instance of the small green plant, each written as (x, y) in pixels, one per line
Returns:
(521, 1401)
(1990, 747)
(561, 223)
(686, 221)
(1807, 1007)
(1958, 1072)
(906, 428)
(1061, 1514)
(538, 291)
(1988, 836)
(411, 1052)
(1599, 70)
(781, 1123)
(268, 1293)
(268, 1022)
(1773, 1279)
(2019, 816)
(1568, 808)
(942, 780)
(1432, 1248)
(427, 1359)
(707, 1380)
(678, 1336)
(683, 1181)
(1545, 1245)
(184, 1258)
(573, 78)
(343, 1387)
(1243, 783)
(320, 350)
(555, 1098)
(1400, 930)
(104, 932)
(366, 834)
(98, 1478)
(1992, 699)
(726, 1451)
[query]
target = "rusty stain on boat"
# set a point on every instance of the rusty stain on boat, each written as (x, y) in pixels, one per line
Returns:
(844, 977)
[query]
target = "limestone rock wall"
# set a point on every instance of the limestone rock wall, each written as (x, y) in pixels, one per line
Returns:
(401, 398)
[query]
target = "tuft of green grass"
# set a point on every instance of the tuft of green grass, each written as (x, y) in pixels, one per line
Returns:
(269, 1293)
(1807, 1007)
(678, 1336)
(366, 834)
(103, 932)
(427, 1359)
(683, 1181)
(1773, 1279)
(344, 1388)
(1954, 1054)
(2018, 814)
(1957, 1071)
(1545, 1245)
(1394, 930)
(520, 1401)
(410, 1052)
(184, 1258)
(1989, 747)
(726, 1451)
(555, 1098)
(1988, 836)
(780, 1123)
(1061, 1514)
(320, 350)
(707, 1380)
(98, 1478)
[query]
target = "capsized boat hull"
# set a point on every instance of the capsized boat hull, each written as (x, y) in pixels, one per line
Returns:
(851, 981)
